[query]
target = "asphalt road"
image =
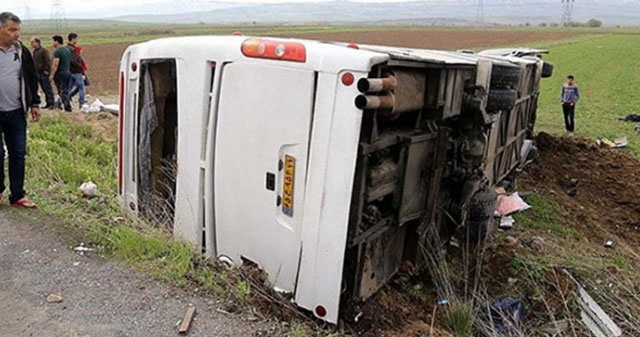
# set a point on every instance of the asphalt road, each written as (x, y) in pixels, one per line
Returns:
(100, 298)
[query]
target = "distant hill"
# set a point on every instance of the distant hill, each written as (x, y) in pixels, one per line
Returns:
(464, 12)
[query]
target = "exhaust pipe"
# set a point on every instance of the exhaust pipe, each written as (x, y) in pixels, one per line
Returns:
(364, 102)
(366, 85)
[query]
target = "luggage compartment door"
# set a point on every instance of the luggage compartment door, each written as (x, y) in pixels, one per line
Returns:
(261, 153)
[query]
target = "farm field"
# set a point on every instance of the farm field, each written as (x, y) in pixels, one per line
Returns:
(104, 58)
(572, 229)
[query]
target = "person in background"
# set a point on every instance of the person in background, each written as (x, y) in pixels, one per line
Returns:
(18, 93)
(60, 73)
(570, 96)
(78, 68)
(42, 62)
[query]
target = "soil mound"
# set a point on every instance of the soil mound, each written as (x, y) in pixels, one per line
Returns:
(598, 188)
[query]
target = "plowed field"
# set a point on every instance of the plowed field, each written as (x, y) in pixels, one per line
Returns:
(104, 59)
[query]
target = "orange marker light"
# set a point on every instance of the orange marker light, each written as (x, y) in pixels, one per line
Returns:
(274, 50)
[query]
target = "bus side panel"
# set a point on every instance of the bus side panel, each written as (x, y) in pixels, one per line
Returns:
(127, 133)
(332, 162)
(188, 222)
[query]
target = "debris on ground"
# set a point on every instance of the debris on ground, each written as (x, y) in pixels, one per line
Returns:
(509, 204)
(529, 152)
(570, 186)
(609, 244)
(555, 328)
(592, 315)
(505, 317)
(113, 109)
(510, 241)
(89, 189)
(54, 298)
(185, 324)
(95, 107)
(81, 249)
(616, 144)
(631, 118)
(595, 318)
(506, 222)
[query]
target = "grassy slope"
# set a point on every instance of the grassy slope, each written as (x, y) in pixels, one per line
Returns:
(607, 69)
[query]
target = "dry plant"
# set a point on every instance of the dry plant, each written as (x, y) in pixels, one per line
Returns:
(158, 205)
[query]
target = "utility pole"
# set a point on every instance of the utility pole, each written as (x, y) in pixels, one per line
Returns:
(567, 12)
(480, 14)
(58, 15)
(27, 12)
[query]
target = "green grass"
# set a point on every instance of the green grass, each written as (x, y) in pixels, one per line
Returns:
(460, 317)
(607, 70)
(544, 218)
(62, 155)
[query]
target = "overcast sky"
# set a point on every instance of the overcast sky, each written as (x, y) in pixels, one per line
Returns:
(43, 9)
(39, 9)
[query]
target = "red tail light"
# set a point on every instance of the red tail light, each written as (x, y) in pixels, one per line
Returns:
(120, 128)
(275, 50)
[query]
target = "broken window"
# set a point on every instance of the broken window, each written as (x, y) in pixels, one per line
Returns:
(157, 141)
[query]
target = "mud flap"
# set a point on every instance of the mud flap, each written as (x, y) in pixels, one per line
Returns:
(382, 259)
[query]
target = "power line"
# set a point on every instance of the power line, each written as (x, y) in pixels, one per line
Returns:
(480, 15)
(567, 12)
(58, 15)
(27, 12)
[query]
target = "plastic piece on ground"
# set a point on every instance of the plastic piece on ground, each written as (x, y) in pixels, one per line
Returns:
(506, 315)
(513, 203)
(507, 222)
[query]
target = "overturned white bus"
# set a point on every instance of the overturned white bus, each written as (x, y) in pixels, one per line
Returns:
(321, 163)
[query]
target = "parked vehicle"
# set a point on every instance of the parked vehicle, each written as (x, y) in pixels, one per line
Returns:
(321, 163)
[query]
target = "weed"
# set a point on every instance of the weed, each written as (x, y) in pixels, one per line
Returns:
(619, 261)
(460, 318)
(417, 292)
(297, 330)
(242, 290)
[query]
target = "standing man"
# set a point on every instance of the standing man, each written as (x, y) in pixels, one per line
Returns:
(42, 61)
(77, 68)
(570, 96)
(18, 93)
(60, 73)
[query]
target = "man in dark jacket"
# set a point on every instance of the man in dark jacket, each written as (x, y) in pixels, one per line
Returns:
(18, 93)
(77, 68)
(42, 61)
(60, 73)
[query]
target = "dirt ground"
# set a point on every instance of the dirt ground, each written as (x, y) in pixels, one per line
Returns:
(99, 298)
(606, 204)
(104, 60)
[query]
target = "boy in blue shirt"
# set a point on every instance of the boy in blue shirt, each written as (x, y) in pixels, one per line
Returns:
(570, 96)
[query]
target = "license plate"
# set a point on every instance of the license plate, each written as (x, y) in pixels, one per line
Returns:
(287, 190)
